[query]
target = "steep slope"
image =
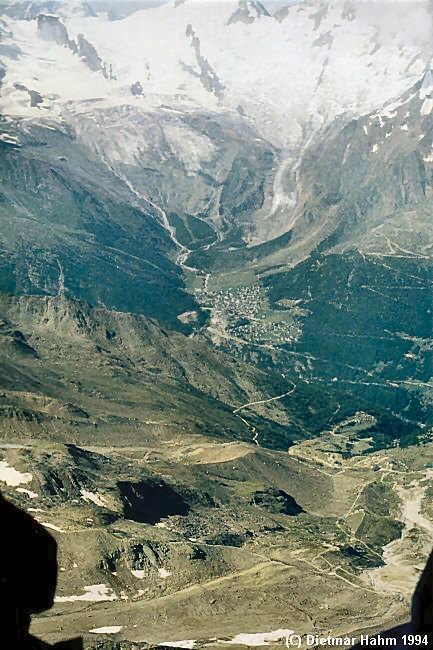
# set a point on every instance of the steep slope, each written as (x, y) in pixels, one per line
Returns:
(369, 184)
(367, 327)
(210, 173)
(347, 294)
(187, 129)
(117, 374)
(73, 372)
(73, 227)
(365, 211)
(365, 184)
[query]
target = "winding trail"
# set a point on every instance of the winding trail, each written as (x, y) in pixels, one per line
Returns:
(261, 401)
(266, 401)
(253, 430)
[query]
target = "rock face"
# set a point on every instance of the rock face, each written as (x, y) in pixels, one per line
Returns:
(149, 503)
(137, 89)
(248, 12)
(202, 70)
(35, 98)
(277, 501)
(89, 55)
(85, 213)
(52, 29)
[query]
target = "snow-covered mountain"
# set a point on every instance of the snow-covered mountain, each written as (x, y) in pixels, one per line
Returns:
(167, 150)
(218, 110)
(289, 74)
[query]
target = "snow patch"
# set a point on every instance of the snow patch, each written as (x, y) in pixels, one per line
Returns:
(53, 527)
(374, 148)
(109, 629)
(94, 497)
(163, 573)
(189, 644)
(9, 139)
(92, 593)
(138, 573)
(390, 111)
(30, 494)
(260, 638)
(427, 107)
(11, 476)
(12, 445)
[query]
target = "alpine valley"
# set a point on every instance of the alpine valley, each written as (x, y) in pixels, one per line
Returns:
(216, 313)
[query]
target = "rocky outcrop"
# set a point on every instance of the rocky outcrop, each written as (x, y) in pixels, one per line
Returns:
(51, 28)
(277, 502)
(89, 55)
(248, 12)
(150, 502)
(204, 72)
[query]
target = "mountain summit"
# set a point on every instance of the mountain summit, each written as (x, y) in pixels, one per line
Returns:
(290, 77)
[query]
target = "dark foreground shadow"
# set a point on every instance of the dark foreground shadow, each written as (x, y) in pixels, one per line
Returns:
(418, 633)
(28, 577)
(422, 604)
